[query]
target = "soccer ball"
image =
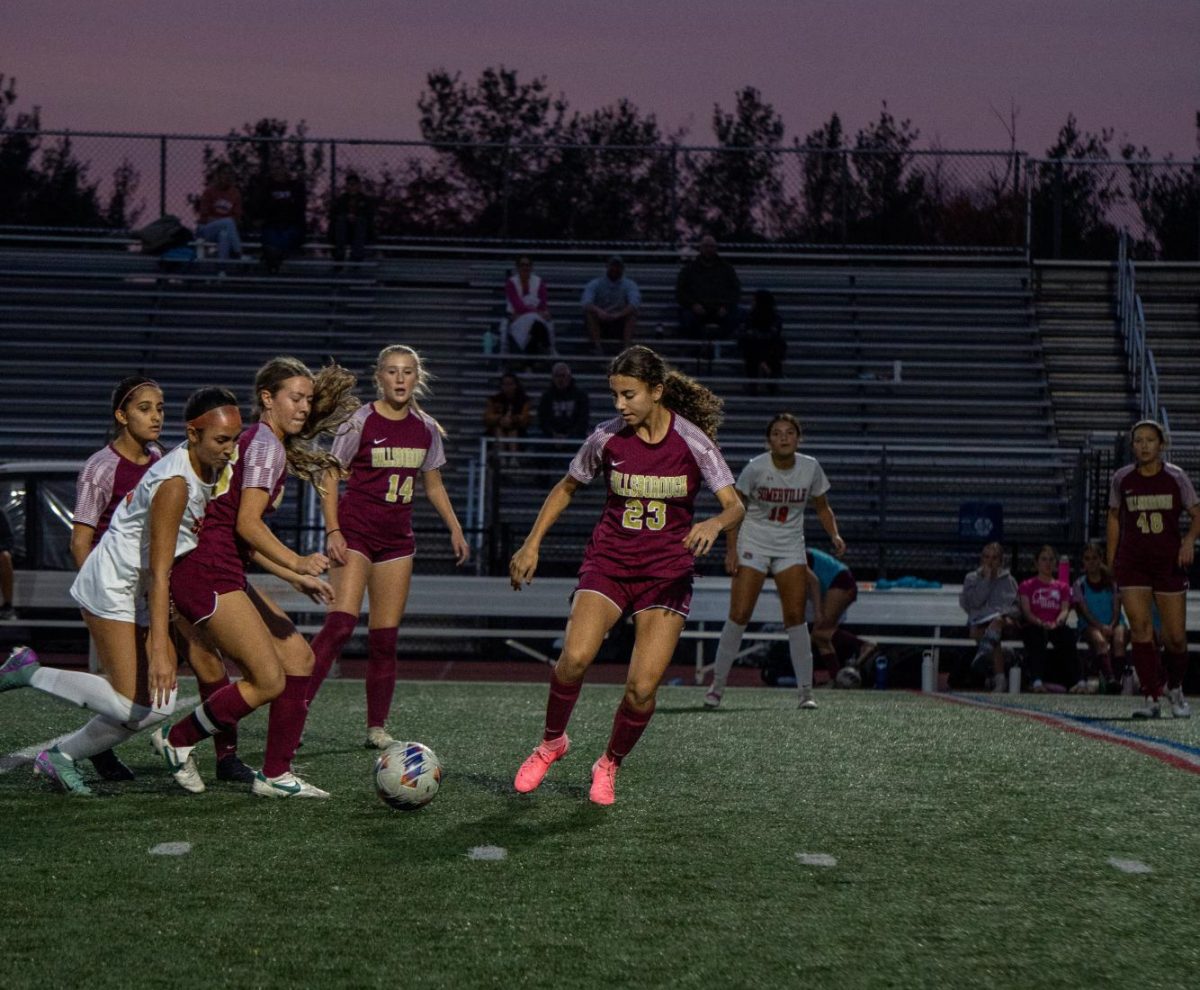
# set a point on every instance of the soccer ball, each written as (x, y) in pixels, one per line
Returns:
(407, 775)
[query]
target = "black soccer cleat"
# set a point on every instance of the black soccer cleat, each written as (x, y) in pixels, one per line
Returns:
(111, 767)
(232, 769)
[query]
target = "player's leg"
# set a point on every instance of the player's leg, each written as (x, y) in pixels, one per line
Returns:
(1172, 608)
(657, 635)
(792, 583)
(592, 615)
(389, 585)
(349, 580)
(1138, 603)
(743, 595)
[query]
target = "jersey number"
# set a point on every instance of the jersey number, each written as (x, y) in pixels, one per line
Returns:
(778, 513)
(1150, 522)
(652, 514)
(399, 492)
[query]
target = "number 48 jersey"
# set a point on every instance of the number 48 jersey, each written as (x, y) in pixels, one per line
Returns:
(776, 499)
(1150, 507)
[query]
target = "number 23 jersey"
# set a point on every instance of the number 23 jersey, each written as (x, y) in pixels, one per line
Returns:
(776, 499)
(651, 496)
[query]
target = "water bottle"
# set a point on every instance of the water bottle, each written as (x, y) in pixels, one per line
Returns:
(1127, 681)
(928, 673)
(489, 342)
(881, 672)
(1014, 679)
(1064, 570)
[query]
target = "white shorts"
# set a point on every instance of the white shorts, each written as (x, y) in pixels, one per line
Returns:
(766, 561)
(110, 590)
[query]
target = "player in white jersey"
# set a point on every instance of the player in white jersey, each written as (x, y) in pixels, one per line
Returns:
(156, 523)
(777, 487)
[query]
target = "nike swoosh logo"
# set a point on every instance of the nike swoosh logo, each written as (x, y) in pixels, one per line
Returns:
(378, 442)
(616, 463)
(292, 788)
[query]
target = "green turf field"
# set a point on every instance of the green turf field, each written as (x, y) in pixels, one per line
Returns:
(971, 849)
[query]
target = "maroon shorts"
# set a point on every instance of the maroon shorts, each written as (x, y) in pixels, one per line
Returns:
(633, 595)
(1165, 577)
(379, 545)
(195, 588)
(844, 581)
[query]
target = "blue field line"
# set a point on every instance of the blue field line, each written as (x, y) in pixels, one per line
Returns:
(985, 701)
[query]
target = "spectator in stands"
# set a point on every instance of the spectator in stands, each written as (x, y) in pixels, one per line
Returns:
(760, 339)
(506, 416)
(563, 408)
(1049, 644)
(610, 305)
(219, 213)
(708, 290)
(7, 611)
(1097, 604)
(529, 330)
(282, 209)
(989, 597)
(350, 220)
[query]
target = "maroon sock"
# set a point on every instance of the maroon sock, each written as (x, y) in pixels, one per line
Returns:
(225, 741)
(559, 706)
(381, 674)
(327, 646)
(832, 664)
(285, 726)
(1149, 668)
(1176, 664)
(222, 711)
(628, 726)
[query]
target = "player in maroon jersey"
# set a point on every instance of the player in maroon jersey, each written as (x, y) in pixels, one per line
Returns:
(654, 457)
(384, 447)
(209, 586)
(1149, 562)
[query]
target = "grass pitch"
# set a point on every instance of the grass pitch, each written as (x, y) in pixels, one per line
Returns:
(971, 848)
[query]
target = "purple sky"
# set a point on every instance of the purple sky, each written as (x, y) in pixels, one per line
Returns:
(355, 69)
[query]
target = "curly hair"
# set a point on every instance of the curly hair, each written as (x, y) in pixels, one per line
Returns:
(333, 403)
(681, 394)
(423, 377)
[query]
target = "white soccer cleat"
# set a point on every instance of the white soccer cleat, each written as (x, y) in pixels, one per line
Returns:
(1179, 706)
(286, 785)
(182, 766)
(806, 698)
(712, 699)
(1152, 709)
(377, 738)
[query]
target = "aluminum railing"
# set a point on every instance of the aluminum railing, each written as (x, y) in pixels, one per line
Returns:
(1139, 358)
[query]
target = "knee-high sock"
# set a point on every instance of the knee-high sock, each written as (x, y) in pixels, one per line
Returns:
(327, 646)
(85, 690)
(222, 711)
(628, 726)
(559, 706)
(1176, 664)
(1149, 668)
(285, 726)
(225, 742)
(800, 649)
(103, 733)
(381, 674)
(727, 650)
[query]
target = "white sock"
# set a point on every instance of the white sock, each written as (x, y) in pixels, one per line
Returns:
(103, 733)
(800, 650)
(85, 690)
(727, 649)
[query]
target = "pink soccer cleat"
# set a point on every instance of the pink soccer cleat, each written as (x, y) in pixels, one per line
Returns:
(533, 770)
(604, 775)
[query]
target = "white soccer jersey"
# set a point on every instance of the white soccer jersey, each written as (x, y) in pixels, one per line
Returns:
(110, 583)
(775, 502)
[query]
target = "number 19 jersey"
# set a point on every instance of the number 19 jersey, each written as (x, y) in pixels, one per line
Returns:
(775, 502)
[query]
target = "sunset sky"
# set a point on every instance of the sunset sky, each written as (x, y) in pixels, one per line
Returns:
(355, 69)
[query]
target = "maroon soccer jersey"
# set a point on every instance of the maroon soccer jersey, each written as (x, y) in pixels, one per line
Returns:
(1150, 508)
(259, 461)
(106, 478)
(651, 496)
(384, 457)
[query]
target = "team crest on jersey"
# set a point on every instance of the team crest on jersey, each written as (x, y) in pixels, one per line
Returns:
(226, 476)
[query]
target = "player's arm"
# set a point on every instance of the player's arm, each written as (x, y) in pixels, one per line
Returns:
(1027, 614)
(703, 535)
(335, 542)
(439, 498)
(524, 561)
(81, 542)
(166, 516)
(1112, 533)
(828, 521)
(253, 529)
(1187, 549)
(731, 541)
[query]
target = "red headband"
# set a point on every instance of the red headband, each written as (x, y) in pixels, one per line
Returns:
(205, 420)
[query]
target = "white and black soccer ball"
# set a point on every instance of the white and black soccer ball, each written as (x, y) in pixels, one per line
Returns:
(849, 677)
(407, 775)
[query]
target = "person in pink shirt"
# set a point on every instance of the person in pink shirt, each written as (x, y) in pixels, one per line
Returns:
(1049, 643)
(530, 329)
(219, 213)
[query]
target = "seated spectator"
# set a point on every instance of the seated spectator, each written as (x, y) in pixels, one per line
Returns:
(563, 408)
(707, 291)
(1097, 604)
(507, 416)
(989, 597)
(219, 213)
(282, 206)
(7, 611)
(761, 342)
(529, 329)
(350, 220)
(1049, 643)
(610, 306)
